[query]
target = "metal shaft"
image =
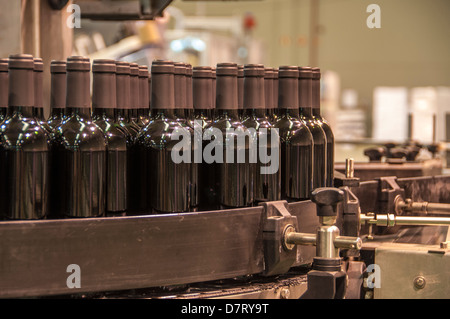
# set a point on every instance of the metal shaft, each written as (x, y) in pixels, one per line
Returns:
(409, 206)
(344, 242)
(391, 220)
(349, 168)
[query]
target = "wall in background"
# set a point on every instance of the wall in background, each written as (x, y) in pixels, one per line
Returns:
(412, 47)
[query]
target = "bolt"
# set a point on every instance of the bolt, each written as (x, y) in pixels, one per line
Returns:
(285, 293)
(419, 282)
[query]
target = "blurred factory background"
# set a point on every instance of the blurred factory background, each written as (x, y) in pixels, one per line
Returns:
(379, 84)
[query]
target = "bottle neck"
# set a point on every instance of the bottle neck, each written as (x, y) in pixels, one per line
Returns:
(232, 114)
(206, 113)
(306, 112)
(289, 112)
(24, 111)
(164, 113)
(316, 112)
(103, 112)
(57, 112)
(83, 112)
(257, 113)
(39, 113)
(180, 113)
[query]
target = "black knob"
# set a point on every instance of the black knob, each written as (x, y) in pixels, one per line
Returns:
(398, 152)
(326, 200)
(375, 153)
(413, 151)
(57, 4)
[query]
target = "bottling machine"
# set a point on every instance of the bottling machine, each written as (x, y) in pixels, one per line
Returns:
(364, 237)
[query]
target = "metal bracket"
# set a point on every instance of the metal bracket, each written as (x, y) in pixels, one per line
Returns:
(388, 190)
(277, 257)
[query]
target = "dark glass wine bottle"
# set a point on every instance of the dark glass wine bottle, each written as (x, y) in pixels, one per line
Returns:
(78, 151)
(196, 142)
(57, 93)
(214, 88)
(24, 148)
(268, 93)
(39, 94)
(167, 181)
(103, 114)
(180, 92)
(124, 119)
(202, 99)
(3, 89)
(189, 111)
(123, 99)
(319, 138)
(316, 112)
(275, 95)
(134, 94)
(240, 80)
(182, 113)
(266, 185)
(230, 178)
(144, 111)
(149, 86)
(295, 139)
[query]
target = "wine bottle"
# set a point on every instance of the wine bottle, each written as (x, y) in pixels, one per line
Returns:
(79, 151)
(202, 99)
(149, 86)
(24, 149)
(196, 142)
(39, 94)
(57, 93)
(144, 111)
(136, 166)
(295, 139)
(214, 88)
(324, 125)
(134, 94)
(189, 110)
(123, 99)
(319, 138)
(232, 178)
(240, 81)
(275, 95)
(103, 114)
(180, 92)
(3, 89)
(166, 181)
(266, 186)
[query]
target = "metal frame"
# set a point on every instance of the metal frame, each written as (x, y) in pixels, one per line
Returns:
(122, 9)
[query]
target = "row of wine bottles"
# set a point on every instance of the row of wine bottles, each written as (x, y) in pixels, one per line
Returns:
(111, 154)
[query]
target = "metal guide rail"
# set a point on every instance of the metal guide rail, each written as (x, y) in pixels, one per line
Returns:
(137, 252)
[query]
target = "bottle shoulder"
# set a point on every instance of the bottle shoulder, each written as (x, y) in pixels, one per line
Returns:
(21, 133)
(327, 130)
(78, 132)
(163, 133)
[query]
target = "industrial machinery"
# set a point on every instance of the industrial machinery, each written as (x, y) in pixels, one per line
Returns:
(384, 238)
(372, 238)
